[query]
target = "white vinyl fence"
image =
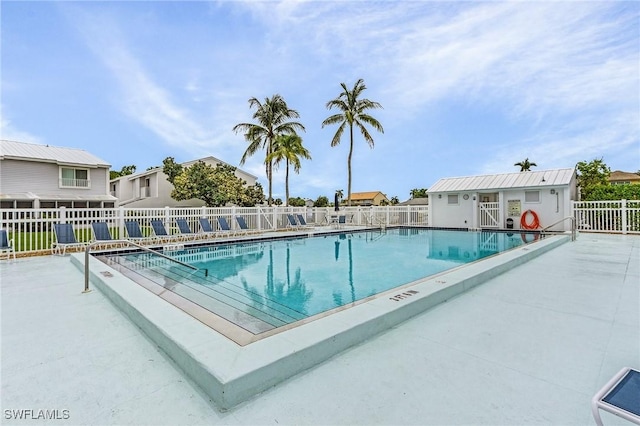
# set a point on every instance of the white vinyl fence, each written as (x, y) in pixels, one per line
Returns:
(32, 229)
(618, 216)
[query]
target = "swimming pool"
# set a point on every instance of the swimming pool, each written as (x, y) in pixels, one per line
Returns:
(232, 364)
(261, 286)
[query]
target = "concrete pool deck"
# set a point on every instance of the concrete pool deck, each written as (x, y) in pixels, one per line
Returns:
(529, 346)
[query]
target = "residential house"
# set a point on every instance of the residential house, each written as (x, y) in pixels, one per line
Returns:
(372, 198)
(501, 200)
(44, 176)
(624, 178)
(151, 188)
(420, 201)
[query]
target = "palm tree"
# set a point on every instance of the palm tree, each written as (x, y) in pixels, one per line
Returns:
(273, 118)
(352, 112)
(525, 166)
(290, 149)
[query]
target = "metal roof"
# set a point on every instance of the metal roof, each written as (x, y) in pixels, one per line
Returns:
(538, 178)
(48, 154)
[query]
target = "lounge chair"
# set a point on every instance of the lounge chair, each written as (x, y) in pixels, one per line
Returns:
(224, 226)
(134, 233)
(185, 229)
(207, 228)
(342, 220)
(161, 232)
(242, 223)
(293, 224)
(303, 222)
(6, 244)
(621, 396)
(65, 238)
(102, 234)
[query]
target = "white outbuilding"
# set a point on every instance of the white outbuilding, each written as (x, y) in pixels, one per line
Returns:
(504, 201)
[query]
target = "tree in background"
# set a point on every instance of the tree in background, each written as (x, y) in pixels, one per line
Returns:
(418, 193)
(591, 175)
(321, 201)
(353, 111)
(297, 202)
(525, 165)
(126, 170)
(394, 201)
(613, 192)
(288, 148)
(216, 186)
(273, 118)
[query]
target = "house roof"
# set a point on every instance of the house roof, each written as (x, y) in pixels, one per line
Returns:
(365, 195)
(158, 169)
(623, 176)
(420, 201)
(538, 178)
(48, 154)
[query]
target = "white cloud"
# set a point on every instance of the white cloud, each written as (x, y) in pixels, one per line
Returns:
(141, 98)
(9, 132)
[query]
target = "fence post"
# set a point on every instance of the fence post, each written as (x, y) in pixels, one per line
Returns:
(203, 211)
(274, 221)
(167, 217)
(62, 216)
(120, 221)
(623, 207)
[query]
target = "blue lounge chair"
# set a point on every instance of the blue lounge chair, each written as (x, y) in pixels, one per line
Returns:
(293, 224)
(102, 234)
(185, 229)
(303, 222)
(65, 238)
(621, 396)
(242, 223)
(342, 220)
(6, 245)
(206, 227)
(161, 232)
(224, 226)
(134, 233)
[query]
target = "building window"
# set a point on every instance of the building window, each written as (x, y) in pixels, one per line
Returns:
(74, 178)
(452, 199)
(531, 196)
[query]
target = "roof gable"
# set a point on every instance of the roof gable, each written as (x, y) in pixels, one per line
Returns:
(365, 195)
(539, 178)
(48, 154)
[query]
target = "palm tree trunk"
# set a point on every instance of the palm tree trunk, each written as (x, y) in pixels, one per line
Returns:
(269, 171)
(286, 184)
(349, 166)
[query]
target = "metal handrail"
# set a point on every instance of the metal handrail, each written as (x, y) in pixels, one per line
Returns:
(95, 243)
(573, 226)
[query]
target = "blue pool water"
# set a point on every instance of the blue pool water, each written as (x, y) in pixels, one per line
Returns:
(278, 282)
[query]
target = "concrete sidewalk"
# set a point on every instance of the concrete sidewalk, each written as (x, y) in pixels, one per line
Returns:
(530, 346)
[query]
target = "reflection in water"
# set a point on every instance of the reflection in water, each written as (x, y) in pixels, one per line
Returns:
(290, 293)
(337, 296)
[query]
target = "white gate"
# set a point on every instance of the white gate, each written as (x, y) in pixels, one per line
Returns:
(489, 215)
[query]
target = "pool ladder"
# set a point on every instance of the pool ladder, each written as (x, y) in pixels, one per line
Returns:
(573, 227)
(131, 243)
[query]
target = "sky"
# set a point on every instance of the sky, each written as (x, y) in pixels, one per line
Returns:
(466, 88)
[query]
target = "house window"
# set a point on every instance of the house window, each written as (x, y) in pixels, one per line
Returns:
(531, 196)
(452, 199)
(74, 178)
